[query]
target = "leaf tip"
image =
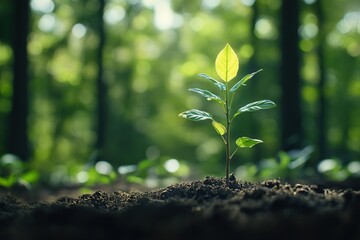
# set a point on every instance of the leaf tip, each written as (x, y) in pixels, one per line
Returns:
(220, 129)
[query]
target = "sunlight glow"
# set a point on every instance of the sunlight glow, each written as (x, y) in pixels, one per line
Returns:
(354, 168)
(172, 165)
(207, 149)
(349, 23)
(246, 51)
(308, 30)
(47, 23)
(264, 29)
(210, 4)
(309, 1)
(197, 23)
(44, 6)
(353, 49)
(78, 30)
(126, 169)
(248, 3)
(103, 167)
(326, 165)
(82, 176)
(114, 14)
(164, 17)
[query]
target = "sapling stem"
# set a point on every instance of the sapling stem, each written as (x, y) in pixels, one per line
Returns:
(227, 134)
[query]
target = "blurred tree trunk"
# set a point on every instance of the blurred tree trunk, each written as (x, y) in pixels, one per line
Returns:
(101, 85)
(321, 124)
(253, 66)
(291, 121)
(18, 139)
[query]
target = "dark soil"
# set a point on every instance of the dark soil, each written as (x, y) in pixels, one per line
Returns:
(204, 209)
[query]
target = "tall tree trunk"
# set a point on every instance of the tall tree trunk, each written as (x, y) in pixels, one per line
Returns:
(291, 121)
(101, 85)
(321, 124)
(18, 128)
(253, 66)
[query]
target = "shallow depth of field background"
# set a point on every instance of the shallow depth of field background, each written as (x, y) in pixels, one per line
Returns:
(150, 54)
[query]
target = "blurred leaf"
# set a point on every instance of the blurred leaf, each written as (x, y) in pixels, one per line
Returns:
(135, 179)
(247, 172)
(247, 142)
(95, 177)
(284, 160)
(183, 170)
(30, 176)
(11, 164)
(195, 115)
(8, 181)
(227, 63)
(333, 169)
(145, 165)
(298, 162)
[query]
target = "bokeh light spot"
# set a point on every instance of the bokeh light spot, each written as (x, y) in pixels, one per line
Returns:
(78, 30)
(47, 23)
(44, 6)
(172, 165)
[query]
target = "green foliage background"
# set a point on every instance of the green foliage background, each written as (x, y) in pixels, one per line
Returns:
(153, 53)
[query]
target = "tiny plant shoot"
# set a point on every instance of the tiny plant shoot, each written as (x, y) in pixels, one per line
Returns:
(227, 66)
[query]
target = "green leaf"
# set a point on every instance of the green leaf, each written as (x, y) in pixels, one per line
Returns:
(246, 142)
(135, 179)
(243, 81)
(227, 63)
(255, 106)
(30, 176)
(195, 115)
(220, 129)
(207, 94)
(220, 85)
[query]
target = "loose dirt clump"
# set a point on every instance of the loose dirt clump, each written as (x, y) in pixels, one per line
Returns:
(204, 209)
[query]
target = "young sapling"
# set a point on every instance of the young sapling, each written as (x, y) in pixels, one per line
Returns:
(227, 66)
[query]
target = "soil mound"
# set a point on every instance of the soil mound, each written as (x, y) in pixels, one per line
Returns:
(204, 209)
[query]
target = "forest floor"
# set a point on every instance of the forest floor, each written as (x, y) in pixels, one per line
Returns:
(202, 209)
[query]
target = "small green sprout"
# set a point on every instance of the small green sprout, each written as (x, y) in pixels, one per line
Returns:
(227, 66)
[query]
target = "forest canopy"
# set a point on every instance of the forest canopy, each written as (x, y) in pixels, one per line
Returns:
(105, 80)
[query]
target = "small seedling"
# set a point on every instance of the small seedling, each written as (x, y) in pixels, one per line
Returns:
(227, 66)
